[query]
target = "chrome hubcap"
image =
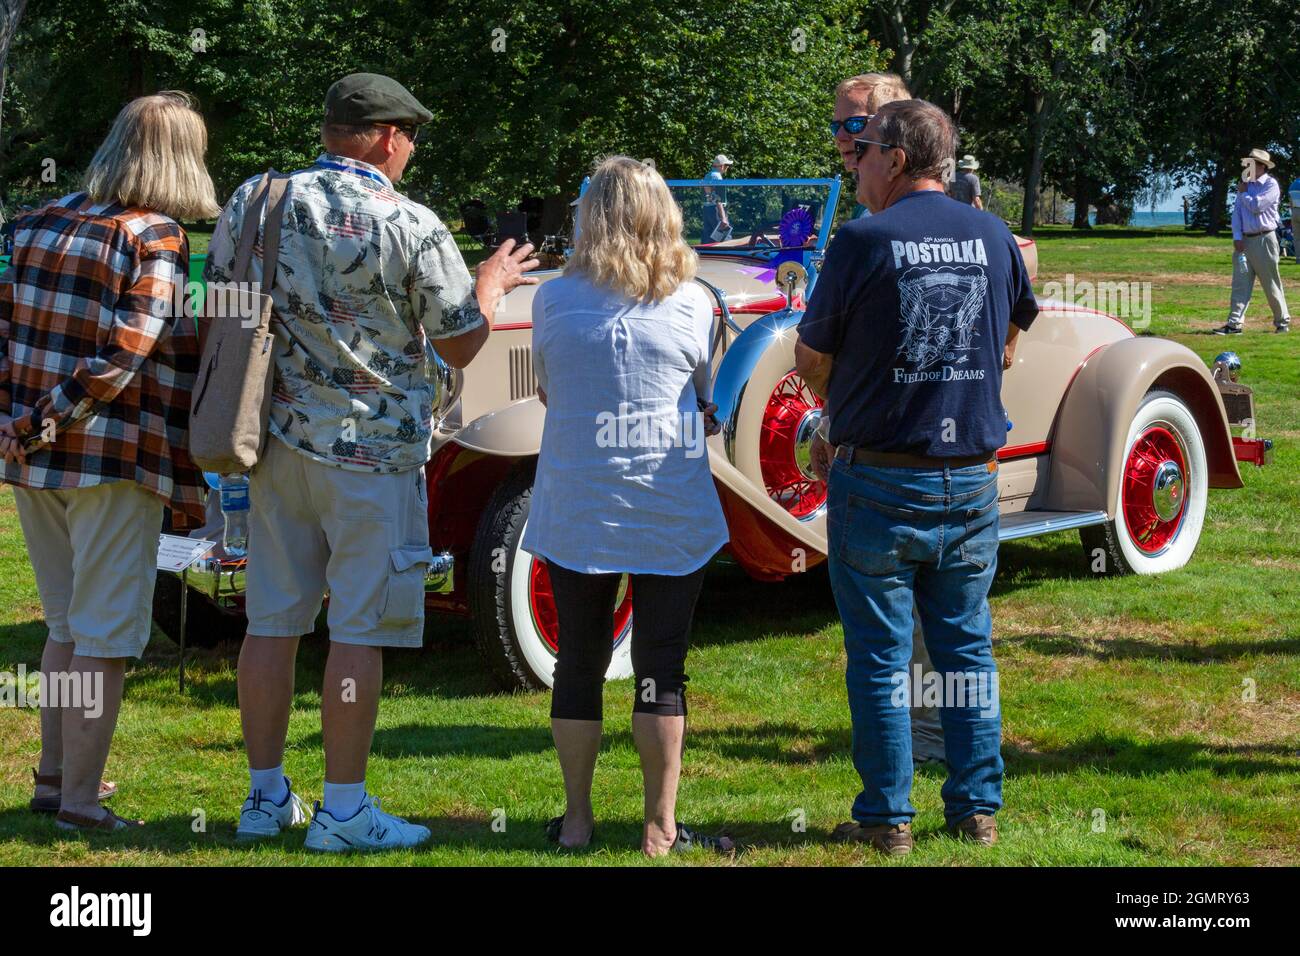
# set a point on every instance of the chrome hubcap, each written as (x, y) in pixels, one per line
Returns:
(803, 440)
(1167, 490)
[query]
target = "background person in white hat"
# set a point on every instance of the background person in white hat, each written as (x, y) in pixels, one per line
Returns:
(1254, 244)
(1295, 216)
(965, 186)
(715, 204)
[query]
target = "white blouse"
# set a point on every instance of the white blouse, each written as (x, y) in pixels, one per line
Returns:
(623, 482)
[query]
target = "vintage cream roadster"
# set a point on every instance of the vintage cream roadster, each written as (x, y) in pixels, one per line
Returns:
(1117, 435)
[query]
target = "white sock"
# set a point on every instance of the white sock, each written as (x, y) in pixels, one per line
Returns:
(343, 800)
(271, 782)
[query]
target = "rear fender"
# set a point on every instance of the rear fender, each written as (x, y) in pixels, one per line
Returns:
(514, 430)
(1092, 424)
(766, 538)
(460, 482)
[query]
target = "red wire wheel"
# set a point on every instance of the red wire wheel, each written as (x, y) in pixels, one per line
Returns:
(788, 421)
(1154, 491)
(542, 601)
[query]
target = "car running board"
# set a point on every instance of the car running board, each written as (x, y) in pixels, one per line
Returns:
(1027, 524)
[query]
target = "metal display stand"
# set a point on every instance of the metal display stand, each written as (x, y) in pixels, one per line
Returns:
(185, 603)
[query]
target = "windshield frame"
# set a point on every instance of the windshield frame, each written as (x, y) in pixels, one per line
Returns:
(832, 184)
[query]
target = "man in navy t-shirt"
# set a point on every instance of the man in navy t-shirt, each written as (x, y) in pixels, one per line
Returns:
(911, 323)
(914, 304)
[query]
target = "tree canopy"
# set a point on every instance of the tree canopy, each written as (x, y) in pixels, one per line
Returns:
(1104, 100)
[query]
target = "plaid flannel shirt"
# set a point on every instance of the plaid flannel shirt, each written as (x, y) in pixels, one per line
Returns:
(95, 367)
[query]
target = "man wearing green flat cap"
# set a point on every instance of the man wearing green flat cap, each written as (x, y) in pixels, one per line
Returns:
(367, 279)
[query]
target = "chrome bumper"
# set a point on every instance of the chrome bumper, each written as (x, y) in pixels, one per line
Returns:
(223, 581)
(1256, 451)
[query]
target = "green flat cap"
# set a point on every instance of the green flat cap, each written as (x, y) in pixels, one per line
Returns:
(362, 98)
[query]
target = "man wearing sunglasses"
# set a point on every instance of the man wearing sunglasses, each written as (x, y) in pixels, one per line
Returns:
(856, 100)
(367, 281)
(907, 333)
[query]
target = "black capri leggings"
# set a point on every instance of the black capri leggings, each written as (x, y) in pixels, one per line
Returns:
(664, 607)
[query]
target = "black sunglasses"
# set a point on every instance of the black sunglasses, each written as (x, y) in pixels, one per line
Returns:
(853, 125)
(860, 146)
(410, 129)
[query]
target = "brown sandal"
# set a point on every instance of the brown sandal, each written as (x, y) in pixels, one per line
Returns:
(51, 804)
(109, 822)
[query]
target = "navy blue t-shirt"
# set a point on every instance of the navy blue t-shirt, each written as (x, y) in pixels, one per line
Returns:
(913, 303)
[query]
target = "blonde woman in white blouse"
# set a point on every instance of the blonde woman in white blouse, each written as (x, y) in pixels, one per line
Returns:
(621, 349)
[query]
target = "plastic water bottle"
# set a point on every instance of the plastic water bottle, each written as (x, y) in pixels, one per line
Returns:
(1007, 416)
(234, 506)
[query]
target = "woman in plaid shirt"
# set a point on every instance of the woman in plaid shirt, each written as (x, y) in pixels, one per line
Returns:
(95, 375)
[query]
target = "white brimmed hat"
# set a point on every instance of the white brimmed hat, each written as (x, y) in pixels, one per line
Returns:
(968, 162)
(722, 160)
(1260, 156)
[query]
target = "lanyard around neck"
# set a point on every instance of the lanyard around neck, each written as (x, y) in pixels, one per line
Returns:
(354, 170)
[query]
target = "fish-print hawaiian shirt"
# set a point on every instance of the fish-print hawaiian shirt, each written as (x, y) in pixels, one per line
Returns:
(366, 277)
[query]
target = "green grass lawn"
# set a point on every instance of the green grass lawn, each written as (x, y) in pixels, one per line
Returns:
(1123, 698)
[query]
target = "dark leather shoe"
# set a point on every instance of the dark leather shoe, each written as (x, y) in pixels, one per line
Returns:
(894, 839)
(978, 828)
(51, 804)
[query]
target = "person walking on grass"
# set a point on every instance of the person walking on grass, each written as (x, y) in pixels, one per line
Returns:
(1255, 246)
(908, 347)
(965, 185)
(96, 369)
(338, 501)
(716, 226)
(621, 348)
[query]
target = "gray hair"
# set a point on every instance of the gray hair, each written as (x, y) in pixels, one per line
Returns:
(924, 132)
(346, 137)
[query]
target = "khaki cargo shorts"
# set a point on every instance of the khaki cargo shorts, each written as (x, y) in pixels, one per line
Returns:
(95, 554)
(363, 537)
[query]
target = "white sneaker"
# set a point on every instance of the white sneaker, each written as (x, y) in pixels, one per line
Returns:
(260, 818)
(368, 829)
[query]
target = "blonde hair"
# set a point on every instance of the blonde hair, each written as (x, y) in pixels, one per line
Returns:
(630, 232)
(881, 88)
(152, 159)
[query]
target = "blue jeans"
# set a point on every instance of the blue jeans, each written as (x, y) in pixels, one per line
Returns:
(896, 535)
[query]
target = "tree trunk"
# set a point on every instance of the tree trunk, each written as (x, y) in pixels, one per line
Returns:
(897, 36)
(11, 14)
(1034, 164)
(1082, 200)
(1218, 198)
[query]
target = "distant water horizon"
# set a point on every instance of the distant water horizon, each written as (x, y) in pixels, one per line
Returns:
(1149, 218)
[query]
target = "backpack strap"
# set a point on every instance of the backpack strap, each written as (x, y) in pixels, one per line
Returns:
(275, 194)
(269, 195)
(247, 237)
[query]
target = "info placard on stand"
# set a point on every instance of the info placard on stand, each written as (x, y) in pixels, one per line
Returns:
(176, 554)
